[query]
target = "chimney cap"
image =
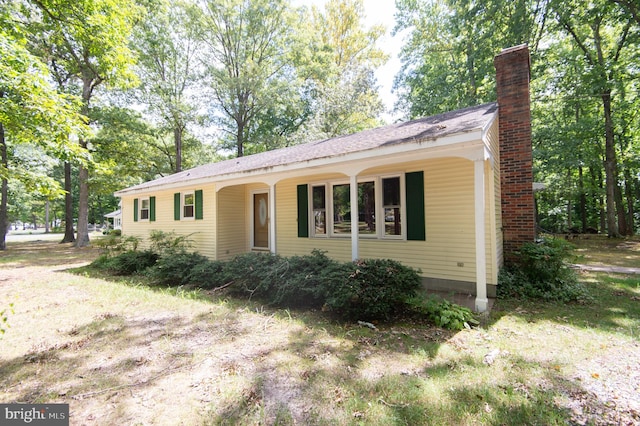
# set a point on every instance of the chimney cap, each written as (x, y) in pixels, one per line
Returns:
(514, 49)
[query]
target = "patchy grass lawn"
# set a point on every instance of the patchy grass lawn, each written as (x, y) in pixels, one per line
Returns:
(600, 250)
(120, 352)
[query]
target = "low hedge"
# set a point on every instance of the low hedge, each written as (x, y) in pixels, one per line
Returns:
(371, 289)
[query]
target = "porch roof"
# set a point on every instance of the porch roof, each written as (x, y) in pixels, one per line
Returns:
(419, 131)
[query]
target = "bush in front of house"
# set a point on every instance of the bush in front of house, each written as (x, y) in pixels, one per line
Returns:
(542, 271)
(303, 280)
(126, 263)
(372, 289)
(175, 269)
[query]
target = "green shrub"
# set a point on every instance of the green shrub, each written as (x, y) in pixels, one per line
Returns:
(373, 289)
(126, 263)
(169, 243)
(303, 279)
(443, 313)
(254, 274)
(114, 244)
(208, 275)
(543, 272)
(175, 270)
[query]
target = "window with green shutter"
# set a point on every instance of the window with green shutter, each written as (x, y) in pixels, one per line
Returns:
(135, 209)
(188, 205)
(389, 207)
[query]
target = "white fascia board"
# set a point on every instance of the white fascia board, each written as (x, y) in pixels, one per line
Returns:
(458, 145)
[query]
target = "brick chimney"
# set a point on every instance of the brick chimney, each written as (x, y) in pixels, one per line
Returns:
(516, 168)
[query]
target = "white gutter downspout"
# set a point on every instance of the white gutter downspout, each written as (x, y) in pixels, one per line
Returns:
(482, 302)
(353, 186)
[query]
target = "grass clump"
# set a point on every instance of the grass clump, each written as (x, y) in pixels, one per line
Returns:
(543, 272)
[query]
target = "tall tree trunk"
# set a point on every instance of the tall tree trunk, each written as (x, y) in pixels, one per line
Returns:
(4, 190)
(46, 217)
(69, 236)
(240, 140)
(83, 205)
(628, 186)
(610, 166)
(83, 173)
(569, 203)
(583, 200)
(596, 184)
(177, 140)
(620, 208)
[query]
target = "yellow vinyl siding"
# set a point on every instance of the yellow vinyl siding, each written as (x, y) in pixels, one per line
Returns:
(449, 249)
(201, 232)
(232, 222)
(287, 241)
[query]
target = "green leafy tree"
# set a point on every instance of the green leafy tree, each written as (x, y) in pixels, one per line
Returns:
(31, 112)
(448, 59)
(339, 69)
(85, 42)
(602, 31)
(167, 43)
(245, 58)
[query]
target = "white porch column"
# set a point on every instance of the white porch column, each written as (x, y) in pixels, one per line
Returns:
(353, 186)
(272, 218)
(481, 255)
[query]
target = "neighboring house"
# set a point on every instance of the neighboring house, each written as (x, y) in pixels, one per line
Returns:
(117, 218)
(449, 194)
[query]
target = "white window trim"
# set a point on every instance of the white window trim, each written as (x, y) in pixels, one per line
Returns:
(379, 208)
(148, 200)
(183, 205)
(330, 210)
(403, 208)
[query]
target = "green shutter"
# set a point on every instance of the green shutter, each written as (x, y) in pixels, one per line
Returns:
(198, 195)
(152, 209)
(303, 211)
(176, 206)
(414, 184)
(135, 209)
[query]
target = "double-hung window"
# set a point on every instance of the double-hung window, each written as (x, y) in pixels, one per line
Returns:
(319, 209)
(380, 208)
(392, 206)
(188, 205)
(144, 209)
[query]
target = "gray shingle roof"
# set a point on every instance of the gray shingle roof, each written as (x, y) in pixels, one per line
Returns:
(420, 130)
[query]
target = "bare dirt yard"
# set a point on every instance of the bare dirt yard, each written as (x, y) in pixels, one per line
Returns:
(120, 352)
